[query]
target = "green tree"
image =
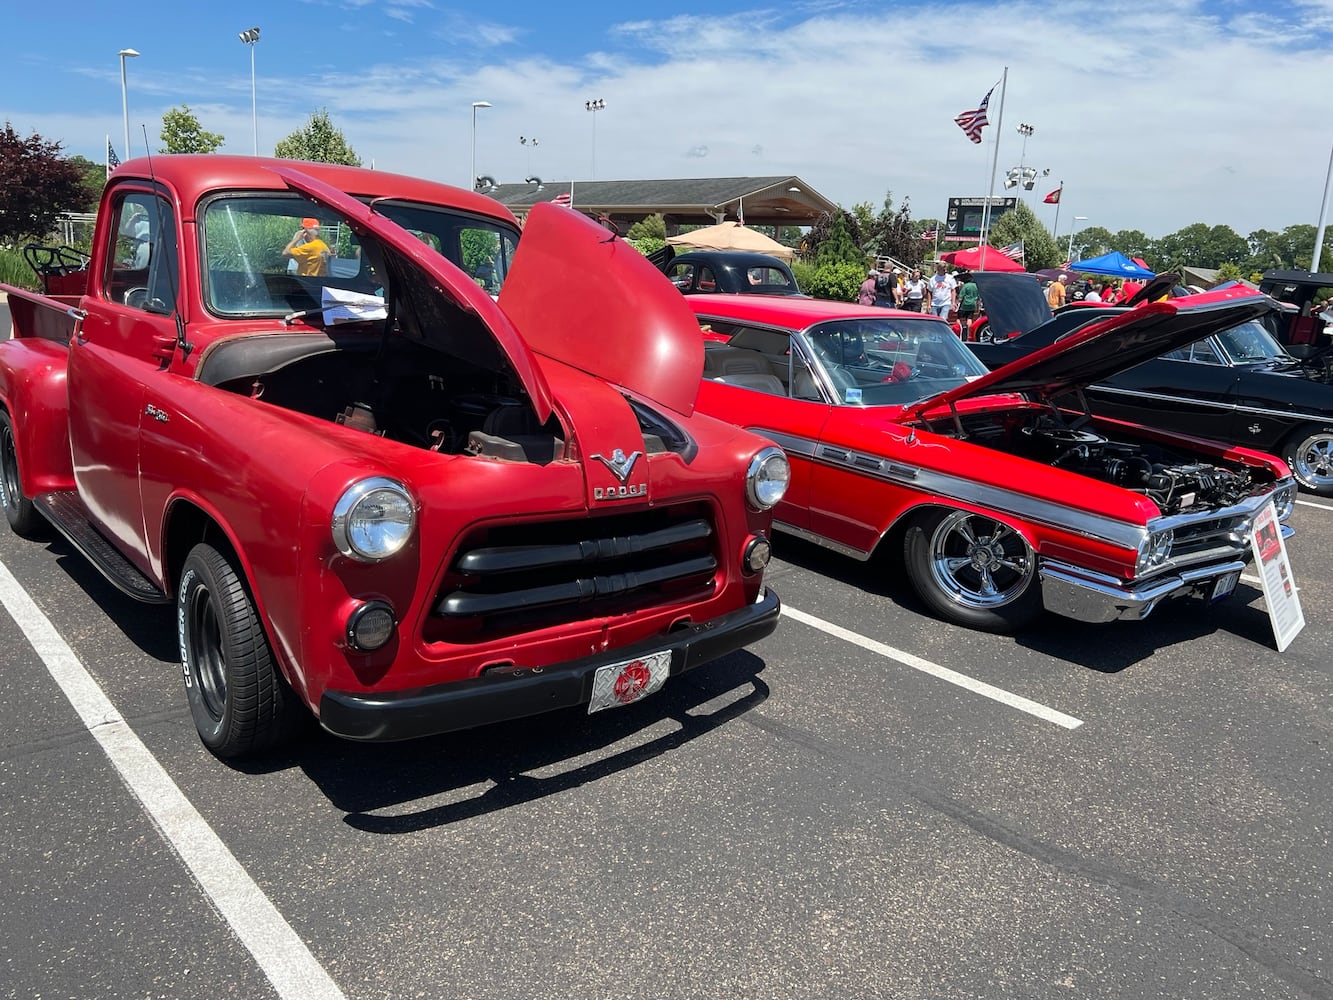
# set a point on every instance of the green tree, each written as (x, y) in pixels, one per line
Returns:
(93, 176)
(832, 241)
(182, 133)
(1039, 247)
(654, 226)
(36, 185)
(1092, 242)
(317, 141)
(1201, 245)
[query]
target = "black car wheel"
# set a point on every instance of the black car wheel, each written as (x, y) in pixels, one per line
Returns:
(1309, 453)
(22, 516)
(973, 570)
(239, 701)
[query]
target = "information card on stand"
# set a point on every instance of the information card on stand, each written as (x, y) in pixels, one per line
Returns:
(1270, 558)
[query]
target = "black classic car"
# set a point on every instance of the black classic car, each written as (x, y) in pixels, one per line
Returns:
(1238, 386)
(736, 271)
(1305, 297)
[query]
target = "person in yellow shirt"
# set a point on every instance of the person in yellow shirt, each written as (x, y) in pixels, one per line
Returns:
(1055, 292)
(309, 251)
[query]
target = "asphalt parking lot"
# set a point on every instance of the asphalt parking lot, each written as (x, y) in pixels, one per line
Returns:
(869, 803)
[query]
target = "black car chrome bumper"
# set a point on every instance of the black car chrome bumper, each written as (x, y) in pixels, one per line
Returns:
(501, 696)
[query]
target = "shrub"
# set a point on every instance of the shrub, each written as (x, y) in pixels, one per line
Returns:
(646, 244)
(839, 281)
(14, 270)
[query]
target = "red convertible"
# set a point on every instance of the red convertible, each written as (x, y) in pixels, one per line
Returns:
(996, 501)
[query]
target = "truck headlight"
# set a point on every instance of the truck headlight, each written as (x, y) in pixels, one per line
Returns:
(373, 519)
(1154, 550)
(767, 479)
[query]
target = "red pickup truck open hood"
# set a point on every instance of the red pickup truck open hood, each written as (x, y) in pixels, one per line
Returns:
(1111, 345)
(438, 272)
(587, 298)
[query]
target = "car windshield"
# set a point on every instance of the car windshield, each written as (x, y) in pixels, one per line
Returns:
(1250, 342)
(891, 361)
(274, 254)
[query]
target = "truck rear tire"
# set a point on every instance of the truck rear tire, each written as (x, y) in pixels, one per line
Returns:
(22, 516)
(240, 702)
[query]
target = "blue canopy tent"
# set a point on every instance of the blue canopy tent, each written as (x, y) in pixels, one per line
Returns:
(1114, 263)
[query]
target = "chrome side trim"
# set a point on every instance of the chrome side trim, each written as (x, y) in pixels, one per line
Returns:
(1313, 417)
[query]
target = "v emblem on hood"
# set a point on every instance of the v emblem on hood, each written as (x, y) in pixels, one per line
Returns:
(619, 463)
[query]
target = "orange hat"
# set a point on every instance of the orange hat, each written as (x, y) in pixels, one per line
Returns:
(309, 223)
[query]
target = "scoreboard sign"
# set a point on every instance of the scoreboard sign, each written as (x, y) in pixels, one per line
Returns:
(962, 223)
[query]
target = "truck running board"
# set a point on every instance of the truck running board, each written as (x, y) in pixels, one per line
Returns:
(69, 515)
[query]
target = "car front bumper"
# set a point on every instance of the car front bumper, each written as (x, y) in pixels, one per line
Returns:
(1088, 596)
(504, 695)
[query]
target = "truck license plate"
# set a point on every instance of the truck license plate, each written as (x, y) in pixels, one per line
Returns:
(626, 682)
(1225, 585)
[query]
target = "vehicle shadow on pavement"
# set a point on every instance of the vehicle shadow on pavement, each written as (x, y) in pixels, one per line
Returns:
(363, 778)
(151, 627)
(1108, 648)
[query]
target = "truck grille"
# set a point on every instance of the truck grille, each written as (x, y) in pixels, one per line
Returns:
(510, 578)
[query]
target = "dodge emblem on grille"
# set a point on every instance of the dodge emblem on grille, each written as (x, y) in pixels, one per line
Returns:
(620, 465)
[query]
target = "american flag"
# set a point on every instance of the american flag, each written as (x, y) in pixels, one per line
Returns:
(972, 122)
(564, 198)
(1013, 251)
(112, 160)
(929, 235)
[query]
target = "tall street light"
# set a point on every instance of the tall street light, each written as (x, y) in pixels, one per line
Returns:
(594, 107)
(1069, 253)
(249, 37)
(472, 183)
(125, 97)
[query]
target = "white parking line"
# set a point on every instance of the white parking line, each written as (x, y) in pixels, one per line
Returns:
(935, 670)
(1311, 503)
(281, 954)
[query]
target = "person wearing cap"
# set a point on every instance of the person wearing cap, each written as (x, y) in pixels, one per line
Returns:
(309, 251)
(867, 296)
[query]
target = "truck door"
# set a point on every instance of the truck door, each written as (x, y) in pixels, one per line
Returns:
(120, 348)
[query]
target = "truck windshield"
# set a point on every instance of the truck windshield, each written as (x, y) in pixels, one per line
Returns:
(274, 254)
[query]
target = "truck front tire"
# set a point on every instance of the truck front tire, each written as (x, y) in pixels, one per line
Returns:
(240, 702)
(19, 512)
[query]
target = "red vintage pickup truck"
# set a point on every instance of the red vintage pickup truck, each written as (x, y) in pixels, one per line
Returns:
(388, 464)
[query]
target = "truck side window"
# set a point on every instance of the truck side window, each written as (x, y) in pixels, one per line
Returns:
(143, 270)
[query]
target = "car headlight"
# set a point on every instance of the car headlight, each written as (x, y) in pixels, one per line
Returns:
(373, 519)
(1154, 550)
(1284, 501)
(767, 478)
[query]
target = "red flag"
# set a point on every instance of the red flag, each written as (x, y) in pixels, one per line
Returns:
(1053, 198)
(972, 122)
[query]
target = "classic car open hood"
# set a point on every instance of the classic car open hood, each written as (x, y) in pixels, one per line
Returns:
(587, 298)
(1012, 303)
(411, 256)
(1112, 345)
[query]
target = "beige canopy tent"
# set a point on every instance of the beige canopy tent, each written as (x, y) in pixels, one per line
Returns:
(731, 236)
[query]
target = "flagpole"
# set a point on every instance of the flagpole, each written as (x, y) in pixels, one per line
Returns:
(994, 165)
(106, 156)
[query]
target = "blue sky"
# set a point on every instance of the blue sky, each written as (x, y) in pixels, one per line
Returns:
(1154, 116)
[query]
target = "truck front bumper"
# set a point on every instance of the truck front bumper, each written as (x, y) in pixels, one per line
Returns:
(503, 695)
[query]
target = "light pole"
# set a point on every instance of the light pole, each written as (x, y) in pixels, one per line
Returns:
(472, 183)
(594, 107)
(249, 37)
(125, 97)
(1069, 253)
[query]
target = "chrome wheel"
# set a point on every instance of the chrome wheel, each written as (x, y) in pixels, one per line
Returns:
(1311, 461)
(980, 562)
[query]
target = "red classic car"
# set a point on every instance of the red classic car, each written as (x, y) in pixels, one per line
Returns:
(368, 486)
(996, 501)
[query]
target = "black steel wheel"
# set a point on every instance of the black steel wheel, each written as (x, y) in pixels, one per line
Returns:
(240, 703)
(973, 570)
(22, 516)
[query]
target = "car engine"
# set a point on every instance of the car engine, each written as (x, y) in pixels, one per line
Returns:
(1176, 483)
